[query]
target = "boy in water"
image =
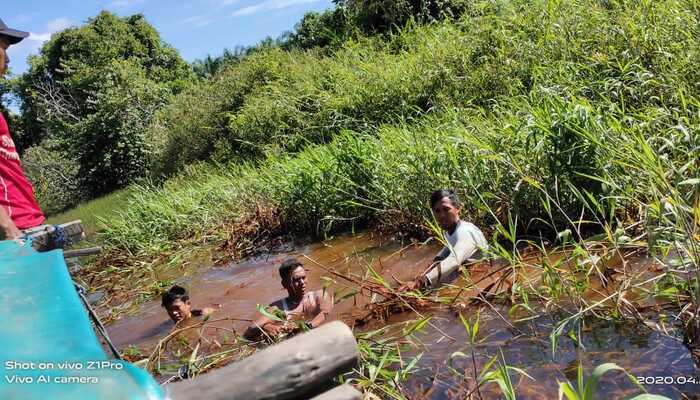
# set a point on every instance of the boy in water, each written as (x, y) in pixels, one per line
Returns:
(311, 307)
(177, 303)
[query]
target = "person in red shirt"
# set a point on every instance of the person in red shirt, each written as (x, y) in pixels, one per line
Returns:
(18, 207)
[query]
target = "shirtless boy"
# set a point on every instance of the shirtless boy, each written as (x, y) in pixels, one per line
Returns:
(301, 305)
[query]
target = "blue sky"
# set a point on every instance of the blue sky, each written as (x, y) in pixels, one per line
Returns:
(194, 27)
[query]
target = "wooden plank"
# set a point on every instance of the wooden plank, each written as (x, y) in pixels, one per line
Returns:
(342, 392)
(90, 251)
(293, 369)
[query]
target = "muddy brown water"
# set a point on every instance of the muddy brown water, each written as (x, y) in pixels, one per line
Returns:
(236, 289)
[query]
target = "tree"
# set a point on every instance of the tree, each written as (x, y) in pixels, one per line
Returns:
(327, 29)
(95, 89)
(377, 16)
(209, 66)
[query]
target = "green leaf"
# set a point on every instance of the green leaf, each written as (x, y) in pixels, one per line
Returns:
(598, 372)
(693, 181)
(565, 389)
(417, 326)
(276, 315)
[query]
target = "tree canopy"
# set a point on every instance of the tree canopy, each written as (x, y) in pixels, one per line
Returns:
(95, 89)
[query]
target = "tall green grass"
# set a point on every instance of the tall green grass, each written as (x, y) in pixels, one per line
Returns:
(91, 213)
(624, 56)
(515, 97)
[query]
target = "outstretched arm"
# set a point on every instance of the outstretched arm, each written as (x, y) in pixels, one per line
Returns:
(466, 247)
(7, 227)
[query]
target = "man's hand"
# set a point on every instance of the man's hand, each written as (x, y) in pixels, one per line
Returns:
(416, 284)
(12, 233)
(276, 328)
(8, 228)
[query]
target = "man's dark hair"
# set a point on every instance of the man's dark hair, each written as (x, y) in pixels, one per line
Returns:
(439, 194)
(175, 293)
(288, 266)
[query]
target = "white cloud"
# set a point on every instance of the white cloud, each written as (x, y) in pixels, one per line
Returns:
(52, 27)
(39, 37)
(198, 20)
(269, 5)
(58, 24)
(224, 3)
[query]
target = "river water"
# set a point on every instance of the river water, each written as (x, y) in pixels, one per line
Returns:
(236, 289)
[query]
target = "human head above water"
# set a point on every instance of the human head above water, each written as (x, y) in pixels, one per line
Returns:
(293, 277)
(177, 303)
(445, 205)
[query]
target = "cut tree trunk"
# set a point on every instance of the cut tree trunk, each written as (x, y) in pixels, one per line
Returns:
(298, 368)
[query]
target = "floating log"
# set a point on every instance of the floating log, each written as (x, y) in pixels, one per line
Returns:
(297, 368)
(342, 392)
(90, 251)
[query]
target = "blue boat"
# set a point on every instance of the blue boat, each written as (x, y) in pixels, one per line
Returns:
(49, 349)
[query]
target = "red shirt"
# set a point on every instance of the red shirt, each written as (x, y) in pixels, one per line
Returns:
(16, 194)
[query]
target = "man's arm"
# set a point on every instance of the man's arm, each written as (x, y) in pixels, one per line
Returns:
(421, 281)
(443, 254)
(325, 301)
(8, 228)
(264, 324)
(257, 328)
(466, 247)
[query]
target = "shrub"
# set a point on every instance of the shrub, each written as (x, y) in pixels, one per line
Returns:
(54, 176)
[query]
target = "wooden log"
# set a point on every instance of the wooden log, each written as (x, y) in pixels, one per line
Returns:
(294, 369)
(342, 392)
(90, 251)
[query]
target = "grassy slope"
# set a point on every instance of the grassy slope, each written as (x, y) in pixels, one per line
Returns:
(518, 102)
(92, 212)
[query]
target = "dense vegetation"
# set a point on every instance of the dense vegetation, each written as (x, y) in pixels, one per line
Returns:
(515, 102)
(555, 121)
(87, 101)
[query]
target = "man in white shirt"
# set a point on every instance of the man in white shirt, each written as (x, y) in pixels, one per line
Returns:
(464, 242)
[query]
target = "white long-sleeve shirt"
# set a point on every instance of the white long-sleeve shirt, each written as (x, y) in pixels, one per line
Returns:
(466, 243)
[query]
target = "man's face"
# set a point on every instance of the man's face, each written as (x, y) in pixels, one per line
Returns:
(296, 284)
(179, 310)
(4, 59)
(446, 213)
